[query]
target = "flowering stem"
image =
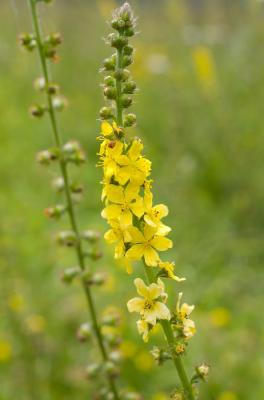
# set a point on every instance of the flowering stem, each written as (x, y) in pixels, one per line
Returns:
(171, 342)
(70, 208)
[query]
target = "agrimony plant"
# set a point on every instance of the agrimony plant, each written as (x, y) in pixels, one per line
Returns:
(84, 244)
(136, 225)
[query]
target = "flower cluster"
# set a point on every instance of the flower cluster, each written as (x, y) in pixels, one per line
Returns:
(136, 224)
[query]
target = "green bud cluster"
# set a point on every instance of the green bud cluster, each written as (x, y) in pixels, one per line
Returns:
(118, 86)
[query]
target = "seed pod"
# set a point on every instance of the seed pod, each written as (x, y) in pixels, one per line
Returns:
(126, 101)
(66, 238)
(130, 120)
(129, 87)
(69, 274)
(106, 113)
(110, 93)
(84, 332)
(37, 110)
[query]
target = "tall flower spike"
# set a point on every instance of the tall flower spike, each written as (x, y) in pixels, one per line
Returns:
(136, 223)
(65, 154)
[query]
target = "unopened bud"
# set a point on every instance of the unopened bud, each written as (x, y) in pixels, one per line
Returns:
(129, 87)
(55, 212)
(91, 236)
(121, 74)
(84, 332)
(111, 369)
(39, 83)
(127, 60)
(66, 238)
(94, 254)
(106, 113)
(160, 355)
(126, 101)
(92, 370)
(59, 103)
(45, 157)
(58, 184)
(130, 31)
(179, 348)
(117, 41)
(110, 63)
(109, 81)
(110, 93)
(52, 89)
(28, 41)
(76, 188)
(202, 371)
(130, 120)
(69, 274)
(128, 50)
(37, 110)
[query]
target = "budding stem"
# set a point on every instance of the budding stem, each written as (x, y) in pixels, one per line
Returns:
(171, 342)
(70, 208)
(119, 108)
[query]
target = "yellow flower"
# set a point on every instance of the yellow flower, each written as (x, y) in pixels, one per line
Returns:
(5, 350)
(153, 215)
(106, 129)
(168, 267)
(119, 235)
(145, 245)
(109, 151)
(144, 361)
(148, 306)
(183, 312)
(127, 202)
(134, 167)
(220, 317)
(143, 329)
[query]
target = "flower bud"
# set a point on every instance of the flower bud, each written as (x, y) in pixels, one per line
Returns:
(129, 87)
(54, 39)
(28, 41)
(117, 41)
(66, 238)
(92, 370)
(115, 356)
(58, 184)
(129, 31)
(45, 157)
(109, 81)
(111, 369)
(91, 236)
(55, 212)
(84, 332)
(128, 50)
(53, 88)
(37, 110)
(69, 274)
(106, 113)
(179, 349)
(110, 63)
(118, 24)
(202, 371)
(177, 395)
(76, 188)
(126, 101)
(59, 103)
(40, 84)
(94, 254)
(127, 60)
(110, 93)
(160, 355)
(121, 74)
(130, 120)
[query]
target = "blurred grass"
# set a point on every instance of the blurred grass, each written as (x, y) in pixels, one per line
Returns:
(200, 68)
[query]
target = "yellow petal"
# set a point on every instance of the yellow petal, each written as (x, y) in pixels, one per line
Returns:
(111, 212)
(119, 250)
(151, 257)
(135, 305)
(126, 218)
(160, 210)
(161, 243)
(142, 288)
(137, 207)
(114, 193)
(136, 235)
(111, 236)
(135, 252)
(143, 329)
(135, 150)
(106, 128)
(162, 311)
(131, 192)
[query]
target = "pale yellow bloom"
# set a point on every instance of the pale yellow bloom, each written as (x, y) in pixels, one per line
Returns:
(146, 245)
(134, 167)
(143, 329)
(168, 267)
(183, 312)
(109, 151)
(153, 215)
(148, 306)
(119, 235)
(125, 203)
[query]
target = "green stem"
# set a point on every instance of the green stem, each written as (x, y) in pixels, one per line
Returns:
(171, 342)
(70, 208)
(119, 108)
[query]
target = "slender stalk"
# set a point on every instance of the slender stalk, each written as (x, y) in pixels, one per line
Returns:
(119, 109)
(171, 342)
(70, 207)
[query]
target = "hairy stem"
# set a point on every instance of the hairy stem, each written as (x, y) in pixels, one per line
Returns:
(119, 108)
(171, 342)
(70, 207)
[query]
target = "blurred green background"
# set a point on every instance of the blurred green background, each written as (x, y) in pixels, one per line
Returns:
(200, 69)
